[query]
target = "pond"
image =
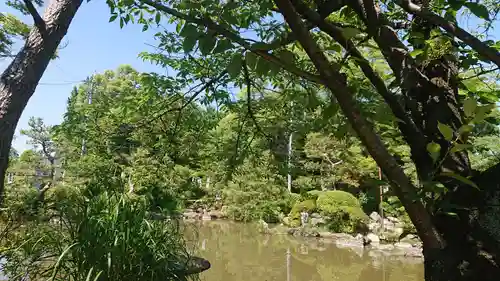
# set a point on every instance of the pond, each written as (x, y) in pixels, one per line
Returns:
(238, 252)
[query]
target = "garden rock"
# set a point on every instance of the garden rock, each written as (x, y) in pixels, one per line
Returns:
(371, 239)
(317, 221)
(375, 217)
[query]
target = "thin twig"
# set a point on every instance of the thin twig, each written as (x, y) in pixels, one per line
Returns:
(249, 99)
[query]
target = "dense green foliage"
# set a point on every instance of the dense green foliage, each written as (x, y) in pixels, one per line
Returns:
(343, 211)
(243, 114)
(101, 237)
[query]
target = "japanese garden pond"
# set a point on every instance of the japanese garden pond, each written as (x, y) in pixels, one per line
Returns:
(238, 252)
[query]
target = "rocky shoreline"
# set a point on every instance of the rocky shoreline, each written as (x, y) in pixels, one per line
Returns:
(383, 238)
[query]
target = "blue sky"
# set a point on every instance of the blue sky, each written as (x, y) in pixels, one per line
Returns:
(93, 46)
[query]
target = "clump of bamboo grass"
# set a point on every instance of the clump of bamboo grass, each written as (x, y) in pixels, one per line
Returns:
(107, 236)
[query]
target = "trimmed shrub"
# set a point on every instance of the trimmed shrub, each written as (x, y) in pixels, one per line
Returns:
(344, 219)
(328, 201)
(343, 211)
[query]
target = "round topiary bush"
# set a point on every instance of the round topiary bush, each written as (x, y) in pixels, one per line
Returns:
(329, 200)
(343, 211)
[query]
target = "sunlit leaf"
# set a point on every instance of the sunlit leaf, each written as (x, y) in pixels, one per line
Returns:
(470, 105)
(478, 10)
(434, 150)
(350, 32)
(234, 67)
(457, 147)
(446, 131)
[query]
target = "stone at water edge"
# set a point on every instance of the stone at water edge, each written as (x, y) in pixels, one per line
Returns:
(375, 216)
(190, 215)
(393, 220)
(216, 214)
(317, 221)
(403, 245)
(197, 265)
(316, 216)
(373, 226)
(371, 239)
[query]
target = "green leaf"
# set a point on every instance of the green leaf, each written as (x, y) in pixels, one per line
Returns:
(434, 150)
(446, 131)
(478, 10)
(465, 129)
(460, 178)
(189, 43)
(263, 67)
(482, 112)
(222, 46)
(416, 52)
(274, 69)
(251, 59)
(178, 27)
(207, 44)
(188, 30)
(234, 66)
(459, 147)
(470, 105)
(157, 17)
(231, 5)
(113, 18)
(145, 27)
(121, 23)
(230, 18)
(287, 56)
(350, 32)
(472, 84)
(335, 47)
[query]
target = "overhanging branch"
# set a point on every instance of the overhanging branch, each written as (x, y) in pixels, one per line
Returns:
(248, 81)
(233, 37)
(400, 182)
(476, 44)
(408, 126)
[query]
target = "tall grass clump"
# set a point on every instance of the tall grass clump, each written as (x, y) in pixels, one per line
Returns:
(106, 236)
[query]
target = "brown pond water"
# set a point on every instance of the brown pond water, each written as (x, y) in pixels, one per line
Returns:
(238, 252)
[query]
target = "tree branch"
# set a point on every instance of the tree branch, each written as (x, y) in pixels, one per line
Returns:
(484, 72)
(408, 127)
(476, 44)
(379, 28)
(191, 99)
(400, 182)
(249, 99)
(235, 38)
(37, 19)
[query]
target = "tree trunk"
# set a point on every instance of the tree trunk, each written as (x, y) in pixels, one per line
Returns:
(471, 248)
(467, 244)
(20, 79)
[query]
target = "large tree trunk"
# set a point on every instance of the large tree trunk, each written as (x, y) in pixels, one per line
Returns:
(471, 249)
(19, 81)
(466, 245)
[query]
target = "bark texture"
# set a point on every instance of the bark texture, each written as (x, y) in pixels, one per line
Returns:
(20, 79)
(463, 247)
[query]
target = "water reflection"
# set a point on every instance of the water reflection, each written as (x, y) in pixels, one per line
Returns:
(239, 253)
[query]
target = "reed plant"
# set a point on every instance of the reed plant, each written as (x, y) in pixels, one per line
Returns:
(76, 235)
